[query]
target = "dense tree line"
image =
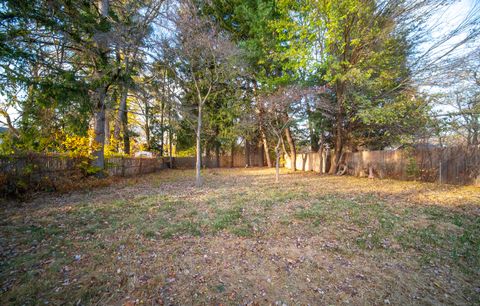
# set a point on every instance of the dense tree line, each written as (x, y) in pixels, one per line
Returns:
(110, 77)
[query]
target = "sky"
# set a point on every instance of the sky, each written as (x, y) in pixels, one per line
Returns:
(442, 23)
(445, 21)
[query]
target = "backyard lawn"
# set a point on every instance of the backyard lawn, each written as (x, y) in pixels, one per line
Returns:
(242, 239)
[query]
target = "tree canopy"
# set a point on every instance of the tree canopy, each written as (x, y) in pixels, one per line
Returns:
(184, 76)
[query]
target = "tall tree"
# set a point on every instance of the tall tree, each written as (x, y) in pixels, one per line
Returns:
(358, 50)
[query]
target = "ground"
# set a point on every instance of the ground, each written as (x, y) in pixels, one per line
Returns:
(242, 239)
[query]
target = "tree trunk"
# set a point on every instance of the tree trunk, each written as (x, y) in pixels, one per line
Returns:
(162, 107)
(338, 149)
(262, 156)
(265, 148)
(170, 137)
(232, 154)
(147, 125)
(121, 123)
(217, 154)
(314, 145)
(320, 159)
(475, 129)
(247, 153)
(337, 153)
(198, 178)
(320, 152)
(99, 96)
(293, 151)
(261, 127)
(277, 162)
(107, 129)
(99, 129)
(122, 108)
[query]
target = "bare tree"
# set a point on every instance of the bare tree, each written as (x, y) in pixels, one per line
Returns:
(274, 119)
(458, 101)
(205, 55)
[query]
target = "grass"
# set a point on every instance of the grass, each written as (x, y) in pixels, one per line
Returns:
(243, 239)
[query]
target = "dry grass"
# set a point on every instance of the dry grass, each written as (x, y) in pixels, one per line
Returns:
(242, 239)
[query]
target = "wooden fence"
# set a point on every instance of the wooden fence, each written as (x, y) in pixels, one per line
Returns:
(225, 161)
(19, 173)
(41, 165)
(453, 165)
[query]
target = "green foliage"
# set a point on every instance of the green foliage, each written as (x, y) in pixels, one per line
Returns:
(362, 56)
(412, 169)
(87, 168)
(57, 59)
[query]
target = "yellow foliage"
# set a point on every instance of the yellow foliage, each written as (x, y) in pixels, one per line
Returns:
(83, 146)
(111, 148)
(186, 153)
(78, 146)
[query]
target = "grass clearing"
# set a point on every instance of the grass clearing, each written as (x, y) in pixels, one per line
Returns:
(241, 238)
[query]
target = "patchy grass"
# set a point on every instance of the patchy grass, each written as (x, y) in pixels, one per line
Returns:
(243, 239)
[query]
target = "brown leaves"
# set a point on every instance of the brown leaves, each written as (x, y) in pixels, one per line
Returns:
(290, 259)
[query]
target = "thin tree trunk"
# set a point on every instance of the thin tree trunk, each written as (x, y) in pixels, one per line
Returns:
(475, 129)
(198, 178)
(147, 125)
(262, 129)
(320, 158)
(122, 121)
(170, 137)
(277, 161)
(320, 154)
(161, 127)
(247, 153)
(126, 136)
(293, 151)
(121, 111)
(121, 124)
(313, 136)
(232, 154)
(265, 148)
(217, 154)
(284, 148)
